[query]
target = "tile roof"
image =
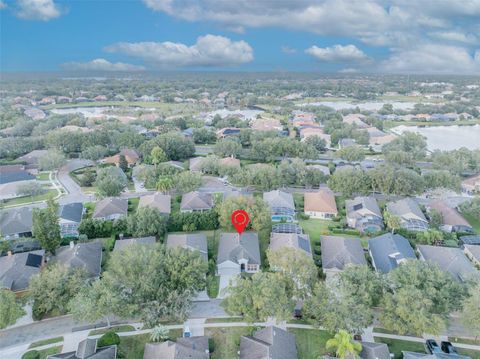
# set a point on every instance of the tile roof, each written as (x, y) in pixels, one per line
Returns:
(321, 201)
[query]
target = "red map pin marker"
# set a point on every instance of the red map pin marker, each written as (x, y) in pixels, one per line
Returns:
(240, 220)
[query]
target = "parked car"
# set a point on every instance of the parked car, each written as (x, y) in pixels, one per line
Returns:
(432, 347)
(448, 348)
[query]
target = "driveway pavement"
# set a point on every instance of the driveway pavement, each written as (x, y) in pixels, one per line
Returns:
(74, 192)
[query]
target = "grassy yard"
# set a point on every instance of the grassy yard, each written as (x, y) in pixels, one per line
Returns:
(133, 204)
(50, 351)
(25, 200)
(45, 342)
(474, 221)
(397, 346)
(315, 227)
(43, 176)
(474, 354)
(225, 320)
(133, 347)
(310, 342)
(226, 341)
(116, 329)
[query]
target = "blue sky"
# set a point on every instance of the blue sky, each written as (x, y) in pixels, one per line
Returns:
(388, 36)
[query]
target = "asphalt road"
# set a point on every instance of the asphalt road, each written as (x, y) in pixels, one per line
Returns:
(74, 192)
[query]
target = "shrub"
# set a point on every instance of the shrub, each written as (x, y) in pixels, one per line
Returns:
(109, 338)
(32, 354)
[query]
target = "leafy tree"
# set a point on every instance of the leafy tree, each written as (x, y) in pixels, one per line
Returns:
(351, 153)
(318, 143)
(227, 147)
(256, 208)
(122, 163)
(110, 181)
(158, 156)
(409, 142)
(396, 180)
(193, 221)
(365, 285)
(95, 228)
(169, 281)
(174, 144)
(262, 296)
(298, 268)
(203, 136)
(441, 179)
(10, 309)
(472, 207)
(188, 181)
(422, 297)
(471, 311)
(429, 237)
(344, 345)
(165, 184)
(31, 189)
(95, 152)
(108, 339)
(349, 181)
(159, 333)
(393, 222)
(53, 161)
(53, 288)
(46, 228)
(146, 222)
(435, 218)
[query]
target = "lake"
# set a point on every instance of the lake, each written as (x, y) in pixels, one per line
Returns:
(367, 106)
(446, 138)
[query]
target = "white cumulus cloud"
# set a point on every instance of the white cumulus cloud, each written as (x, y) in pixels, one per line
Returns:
(101, 65)
(37, 10)
(338, 53)
(209, 50)
(288, 50)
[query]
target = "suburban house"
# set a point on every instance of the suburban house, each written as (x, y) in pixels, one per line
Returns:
(12, 182)
(372, 350)
(324, 169)
(196, 202)
(238, 253)
(17, 269)
(364, 214)
(70, 215)
(159, 201)
(450, 260)
(266, 124)
(355, 119)
(131, 156)
(300, 242)
(410, 214)
(282, 207)
(228, 132)
(195, 164)
(471, 185)
(340, 252)
(388, 251)
(16, 222)
(122, 244)
(270, 342)
(307, 132)
(191, 241)
(32, 158)
(321, 204)
(111, 208)
(229, 162)
(182, 348)
(346, 142)
(473, 253)
(452, 221)
(86, 256)
(87, 349)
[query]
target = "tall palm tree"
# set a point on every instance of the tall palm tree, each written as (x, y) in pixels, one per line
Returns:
(345, 346)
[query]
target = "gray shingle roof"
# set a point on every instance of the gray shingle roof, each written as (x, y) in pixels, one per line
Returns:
(277, 198)
(15, 221)
(122, 244)
(196, 201)
(450, 260)
(160, 201)
(17, 269)
(233, 249)
(409, 212)
(194, 241)
(87, 256)
(388, 251)
(183, 348)
(291, 240)
(338, 252)
(87, 349)
(71, 212)
(374, 351)
(110, 206)
(361, 206)
(270, 342)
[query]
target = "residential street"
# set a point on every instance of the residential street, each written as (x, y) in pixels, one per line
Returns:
(74, 192)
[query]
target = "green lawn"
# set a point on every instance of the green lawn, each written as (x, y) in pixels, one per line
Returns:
(225, 320)
(315, 227)
(24, 200)
(116, 329)
(473, 220)
(50, 351)
(464, 340)
(397, 346)
(474, 354)
(133, 204)
(133, 346)
(43, 176)
(311, 342)
(226, 341)
(45, 342)
(213, 285)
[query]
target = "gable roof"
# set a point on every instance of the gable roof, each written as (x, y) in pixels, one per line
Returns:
(406, 209)
(110, 206)
(321, 201)
(361, 206)
(371, 350)
(160, 201)
(270, 342)
(195, 163)
(292, 240)
(87, 256)
(87, 349)
(450, 260)
(338, 252)
(183, 348)
(17, 269)
(122, 244)
(450, 215)
(193, 241)
(389, 250)
(71, 212)
(16, 176)
(196, 201)
(16, 220)
(229, 162)
(32, 158)
(231, 248)
(279, 199)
